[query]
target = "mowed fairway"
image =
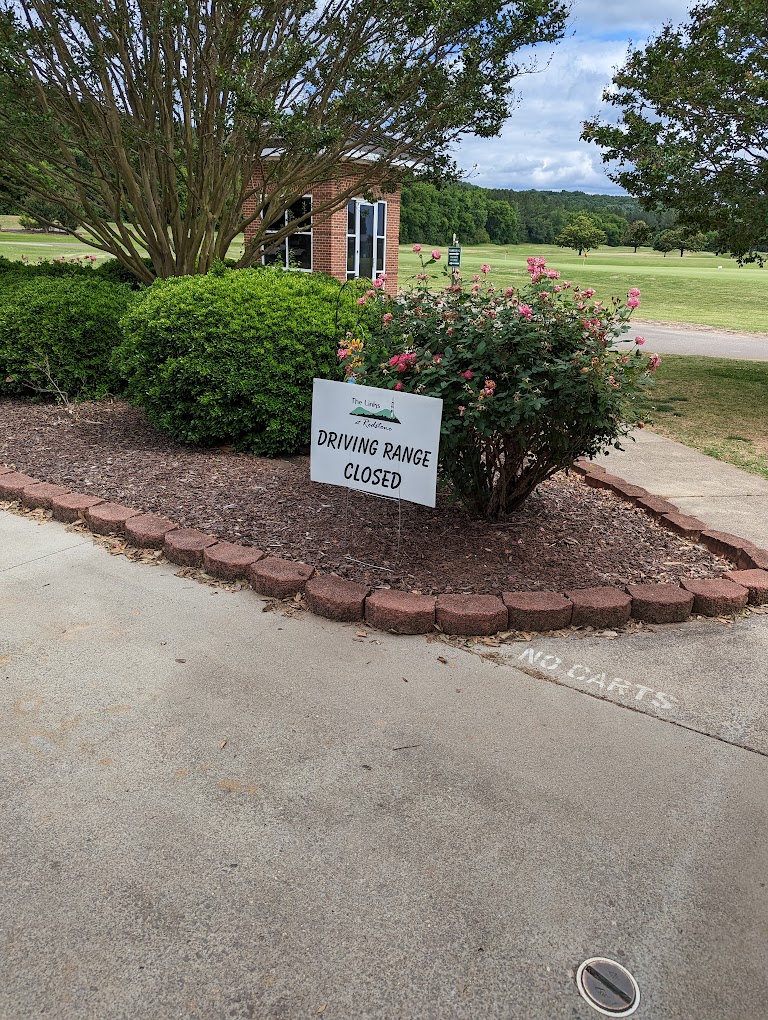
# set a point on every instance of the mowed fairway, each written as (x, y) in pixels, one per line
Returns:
(688, 290)
(14, 245)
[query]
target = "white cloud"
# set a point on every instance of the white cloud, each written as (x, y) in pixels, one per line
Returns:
(540, 145)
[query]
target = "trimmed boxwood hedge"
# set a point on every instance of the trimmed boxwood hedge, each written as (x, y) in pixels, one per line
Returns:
(61, 328)
(230, 357)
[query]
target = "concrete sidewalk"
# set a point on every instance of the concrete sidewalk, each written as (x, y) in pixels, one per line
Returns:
(724, 497)
(210, 811)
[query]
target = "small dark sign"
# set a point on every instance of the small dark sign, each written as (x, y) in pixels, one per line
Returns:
(454, 257)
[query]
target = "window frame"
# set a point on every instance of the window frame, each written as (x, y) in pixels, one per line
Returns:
(379, 235)
(285, 243)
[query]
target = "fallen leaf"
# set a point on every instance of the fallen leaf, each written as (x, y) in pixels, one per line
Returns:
(223, 744)
(442, 658)
(322, 1008)
(181, 660)
(361, 633)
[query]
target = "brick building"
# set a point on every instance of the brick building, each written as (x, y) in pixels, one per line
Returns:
(358, 240)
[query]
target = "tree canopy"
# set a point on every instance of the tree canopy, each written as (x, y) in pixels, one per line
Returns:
(147, 119)
(582, 233)
(432, 215)
(693, 129)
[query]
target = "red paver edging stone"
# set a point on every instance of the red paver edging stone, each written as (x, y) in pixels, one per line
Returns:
(72, 506)
(604, 481)
(229, 561)
(109, 518)
(148, 531)
(537, 610)
(13, 484)
(599, 607)
(406, 613)
(755, 581)
(40, 495)
(400, 612)
(684, 526)
(716, 598)
(588, 467)
(753, 558)
(660, 603)
(279, 578)
(471, 614)
(721, 543)
(656, 507)
(336, 598)
(185, 546)
(631, 492)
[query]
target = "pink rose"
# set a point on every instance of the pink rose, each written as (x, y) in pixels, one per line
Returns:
(386, 318)
(485, 268)
(398, 386)
(379, 281)
(639, 340)
(462, 409)
(469, 374)
(526, 311)
(436, 254)
(653, 362)
(342, 352)
(509, 292)
(394, 360)
(361, 300)
(633, 302)
(634, 292)
(416, 248)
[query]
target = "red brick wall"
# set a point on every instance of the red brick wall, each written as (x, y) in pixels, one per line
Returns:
(329, 237)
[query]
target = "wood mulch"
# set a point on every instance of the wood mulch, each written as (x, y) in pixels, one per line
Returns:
(565, 536)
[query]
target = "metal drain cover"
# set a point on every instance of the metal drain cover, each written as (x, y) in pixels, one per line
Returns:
(608, 987)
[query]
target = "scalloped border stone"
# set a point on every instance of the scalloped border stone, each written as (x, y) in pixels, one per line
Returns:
(404, 612)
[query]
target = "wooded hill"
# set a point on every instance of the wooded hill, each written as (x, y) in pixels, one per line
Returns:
(431, 214)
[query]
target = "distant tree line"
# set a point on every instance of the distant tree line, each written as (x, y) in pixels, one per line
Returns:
(432, 214)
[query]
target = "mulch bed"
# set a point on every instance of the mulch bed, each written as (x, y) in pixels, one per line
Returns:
(565, 536)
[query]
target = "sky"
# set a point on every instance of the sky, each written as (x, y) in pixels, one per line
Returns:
(540, 147)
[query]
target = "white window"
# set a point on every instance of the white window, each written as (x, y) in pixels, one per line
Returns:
(366, 239)
(294, 251)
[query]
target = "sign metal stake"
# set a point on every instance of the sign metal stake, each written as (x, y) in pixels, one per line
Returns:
(364, 563)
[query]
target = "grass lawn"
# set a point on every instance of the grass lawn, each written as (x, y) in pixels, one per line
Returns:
(53, 246)
(689, 290)
(715, 405)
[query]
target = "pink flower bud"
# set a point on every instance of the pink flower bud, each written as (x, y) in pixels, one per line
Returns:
(639, 340)
(416, 248)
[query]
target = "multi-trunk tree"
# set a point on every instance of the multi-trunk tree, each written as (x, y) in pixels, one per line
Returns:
(148, 120)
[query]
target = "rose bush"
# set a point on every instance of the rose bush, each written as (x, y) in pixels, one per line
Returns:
(529, 377)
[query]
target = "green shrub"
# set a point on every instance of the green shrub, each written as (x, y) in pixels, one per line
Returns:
(116, 272)
(230, 357)
(59, 334)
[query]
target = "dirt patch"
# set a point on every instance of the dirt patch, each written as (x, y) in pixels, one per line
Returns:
(566, 535)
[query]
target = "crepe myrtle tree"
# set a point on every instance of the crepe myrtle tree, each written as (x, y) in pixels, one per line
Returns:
(148, 119)
(687, 124)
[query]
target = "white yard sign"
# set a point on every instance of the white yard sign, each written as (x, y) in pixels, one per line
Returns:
(375, 440)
